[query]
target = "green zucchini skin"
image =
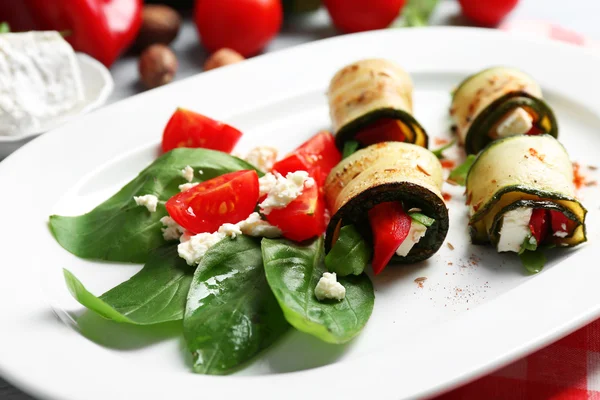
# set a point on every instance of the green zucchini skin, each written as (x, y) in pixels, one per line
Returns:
(356, 210)
(350, 130)
(478, 134)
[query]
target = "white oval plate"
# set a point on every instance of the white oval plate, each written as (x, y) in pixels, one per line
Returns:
(476, 312)
(97, 86)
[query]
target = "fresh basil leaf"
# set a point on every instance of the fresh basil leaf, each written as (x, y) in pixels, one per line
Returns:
(231, 314)
(350, 254)
(459, 174)
(154, 295)
(293, 271)
(533, 261)
(439, 152)
(350, 148)
(4, 27)
(417, 12)
(120, 230)
(422, 219)
(530, 243)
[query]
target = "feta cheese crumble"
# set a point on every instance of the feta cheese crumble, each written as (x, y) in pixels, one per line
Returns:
(230, 230)
(196, 247)
(254, 225)
(187, 186)
(518, 122)
(515, 229)
(188, 173)
(262, 157)
(282, 191)
(329, 288)
(171, 230)
(149, 201)
(416, 232)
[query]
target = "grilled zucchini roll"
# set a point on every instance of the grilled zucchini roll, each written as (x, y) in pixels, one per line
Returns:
(521, 196)
(370, 101)
(496, 103)
(391, 194)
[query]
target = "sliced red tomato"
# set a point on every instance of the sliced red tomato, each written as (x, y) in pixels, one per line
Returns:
(189, 129)
(317, 156)
(390, 226)
(303, 218)
(207, 206)
(560, 223)
(539, 224)
(382, 130)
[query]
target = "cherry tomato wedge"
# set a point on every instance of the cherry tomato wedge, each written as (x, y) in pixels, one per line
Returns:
(317, 156)
(390, 226)
(383, 130)
(362, 15)
(303, 218)
(539, 224)
(560, 223)
(489, 12)
(189, 129)
(207, 206)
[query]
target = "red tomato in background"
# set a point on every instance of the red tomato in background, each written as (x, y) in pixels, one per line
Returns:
(189, 129)
(207, 206)
(245, 26)
(303, 218)
(317, 156)
(487, 12)
(363, 15)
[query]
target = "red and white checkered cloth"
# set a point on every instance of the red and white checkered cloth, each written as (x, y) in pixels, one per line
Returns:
(570, 368)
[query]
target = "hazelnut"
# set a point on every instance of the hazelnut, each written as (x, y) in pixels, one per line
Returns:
(221, 58)
(160, 24)
(157, 66)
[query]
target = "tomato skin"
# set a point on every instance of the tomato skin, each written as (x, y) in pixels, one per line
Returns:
(361, 15)
(539, 224)
(245, 26)
(487, 12)
(390, 226)
(227, 198)
(303, 218)
(383, 130)
(317, 156)
(190, 129)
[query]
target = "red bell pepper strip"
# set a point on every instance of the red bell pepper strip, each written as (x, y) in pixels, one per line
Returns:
(383, 130)
(539, 224)
(101, 28)
(390, 226)
(189, 129)
(560, 223)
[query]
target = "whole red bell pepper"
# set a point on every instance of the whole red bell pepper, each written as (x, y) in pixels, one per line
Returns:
(101, 28)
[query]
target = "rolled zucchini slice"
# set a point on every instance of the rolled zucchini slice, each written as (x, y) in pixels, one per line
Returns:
(521, 172)
(371, 96)
(385, 172)
(499, 102)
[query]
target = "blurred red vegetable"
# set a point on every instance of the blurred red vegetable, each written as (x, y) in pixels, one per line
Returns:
(360, 15)
(487, 12)
(245, 26)
(100, 28)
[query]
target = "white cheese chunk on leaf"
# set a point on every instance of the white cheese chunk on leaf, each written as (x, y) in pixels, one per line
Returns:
(329, 288)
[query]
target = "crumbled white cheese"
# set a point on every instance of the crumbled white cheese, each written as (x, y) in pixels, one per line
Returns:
(171, 230)
(266, 184)
(190, 211)
(149, 201)
(515, 229)
(518, 122)
(230, 230)
(282, 191)
(262, 157)
(187, 186)
(40, 81)
(188, 173)
(254, 225)
(329, 288)
(193, 249)
(563, 232)
(416, 232)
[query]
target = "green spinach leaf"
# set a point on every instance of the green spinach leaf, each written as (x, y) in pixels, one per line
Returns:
(439, 153)
(231, 314)
(533, 261)
(154, 295)
(417, 12)
(459, 174)
(350, 254)
(350, 148)
(293, 271)
(422, 219)
(4, 27)
(120, 230)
